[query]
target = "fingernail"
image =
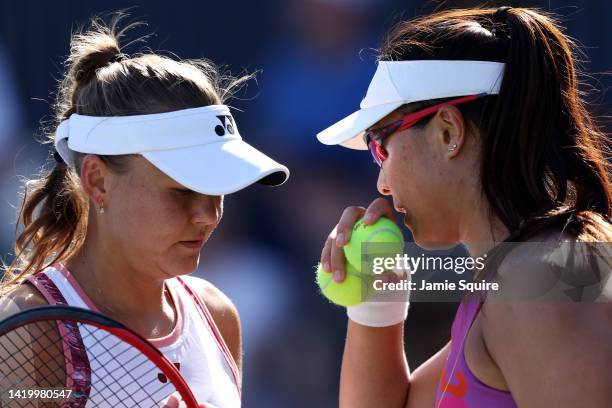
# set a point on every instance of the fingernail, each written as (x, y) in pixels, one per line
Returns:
(337, 276)
(368, 217)
(340, 239)
(326, 267)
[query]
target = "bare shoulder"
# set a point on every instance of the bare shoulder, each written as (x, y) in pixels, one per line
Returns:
(216, 301)
(553, 320)
(21, 298)
(529, 341)
(554, 267)
(224, 314)
(554, 281)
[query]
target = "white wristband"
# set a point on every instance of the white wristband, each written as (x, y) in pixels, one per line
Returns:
(382, 313)
(378, 314)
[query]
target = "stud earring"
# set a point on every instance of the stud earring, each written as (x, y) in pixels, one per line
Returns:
(101, 209)
(450, 149)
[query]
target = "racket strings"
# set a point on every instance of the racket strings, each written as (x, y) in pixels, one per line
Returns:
(19, 358)
(104, 374)
(127, 365)
(114, 373)
(118, 396)
(20, 351)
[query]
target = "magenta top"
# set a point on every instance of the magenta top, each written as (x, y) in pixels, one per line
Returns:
(463, 389)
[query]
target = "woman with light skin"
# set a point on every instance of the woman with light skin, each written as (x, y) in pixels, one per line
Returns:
(475, 119)
(145, 152)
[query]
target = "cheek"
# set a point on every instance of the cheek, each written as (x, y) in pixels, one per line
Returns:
(147, 220)
(415, 180)
(424, 166)
(404, 171)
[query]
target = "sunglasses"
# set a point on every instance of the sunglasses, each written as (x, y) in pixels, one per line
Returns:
(374, 138)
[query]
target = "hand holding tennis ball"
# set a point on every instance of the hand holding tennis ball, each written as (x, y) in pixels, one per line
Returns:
(380, 239)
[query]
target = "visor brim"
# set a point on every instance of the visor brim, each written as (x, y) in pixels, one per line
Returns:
(218, 168)
(349, 131)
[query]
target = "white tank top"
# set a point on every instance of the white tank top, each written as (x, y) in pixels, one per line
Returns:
(195, 346)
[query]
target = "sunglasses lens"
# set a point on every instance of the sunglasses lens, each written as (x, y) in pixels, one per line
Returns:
(378, 153)
(381, 153)
(372, 148)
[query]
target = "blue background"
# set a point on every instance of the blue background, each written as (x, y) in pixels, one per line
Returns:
(315, 59)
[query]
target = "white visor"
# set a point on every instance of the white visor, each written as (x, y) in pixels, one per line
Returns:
(199, 148)
(397, 83)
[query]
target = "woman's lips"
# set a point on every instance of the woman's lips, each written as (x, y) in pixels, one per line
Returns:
(196, 244)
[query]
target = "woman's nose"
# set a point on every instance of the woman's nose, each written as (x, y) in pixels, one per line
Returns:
(207, 209)
(381, 184)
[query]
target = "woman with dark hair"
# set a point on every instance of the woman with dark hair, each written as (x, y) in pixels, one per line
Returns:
(145, 151)
(482, 136)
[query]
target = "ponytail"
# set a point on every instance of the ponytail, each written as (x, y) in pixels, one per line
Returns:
(54, 210)
(552, 152)
(53, 217)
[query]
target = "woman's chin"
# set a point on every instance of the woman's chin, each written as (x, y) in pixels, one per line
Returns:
(432, 242)
(183, 266)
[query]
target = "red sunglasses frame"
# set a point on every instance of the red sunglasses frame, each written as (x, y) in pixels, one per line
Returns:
(374, 138)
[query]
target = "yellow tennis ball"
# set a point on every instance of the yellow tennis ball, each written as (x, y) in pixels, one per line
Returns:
(379, 240)
(353, 290)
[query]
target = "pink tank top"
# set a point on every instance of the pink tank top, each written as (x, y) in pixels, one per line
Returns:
(459, 387)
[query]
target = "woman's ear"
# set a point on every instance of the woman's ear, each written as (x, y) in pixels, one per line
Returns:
(450, 130)
(94, 178)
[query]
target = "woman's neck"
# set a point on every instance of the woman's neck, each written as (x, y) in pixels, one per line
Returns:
(120, 291)
(481, 231)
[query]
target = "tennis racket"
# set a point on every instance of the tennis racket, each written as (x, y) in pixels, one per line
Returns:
(62, 356)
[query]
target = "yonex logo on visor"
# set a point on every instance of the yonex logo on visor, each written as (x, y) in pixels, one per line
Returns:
(226, 125)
